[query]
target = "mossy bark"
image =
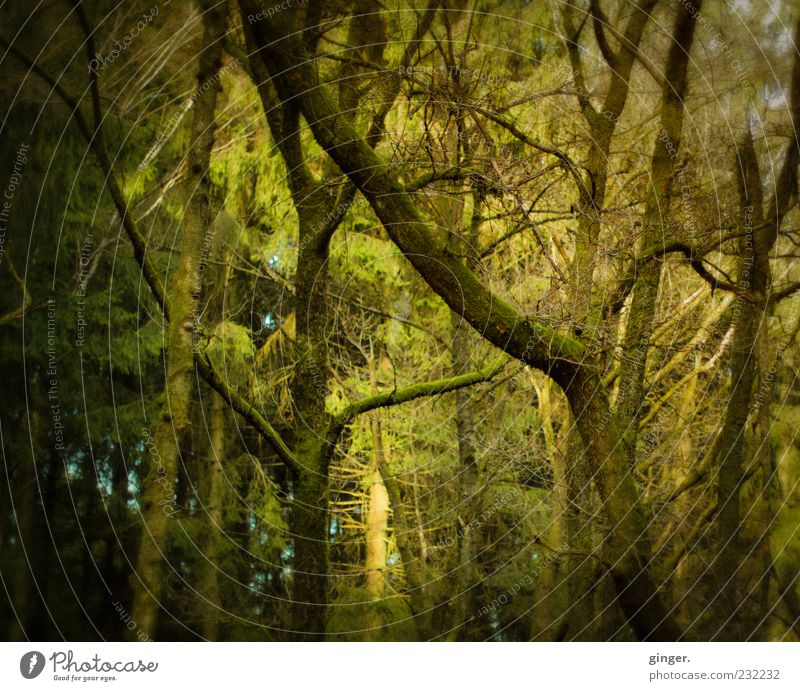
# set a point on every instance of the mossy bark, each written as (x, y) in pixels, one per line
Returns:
(158, 486)
(628, 545)
(308, 528)
(760, 232)
(309, 516)
(601, 125)
(655, 227)
(213, 499)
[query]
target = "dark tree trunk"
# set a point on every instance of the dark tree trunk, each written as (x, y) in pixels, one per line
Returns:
(173, 424)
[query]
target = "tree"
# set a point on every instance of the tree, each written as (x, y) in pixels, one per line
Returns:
(406, 322)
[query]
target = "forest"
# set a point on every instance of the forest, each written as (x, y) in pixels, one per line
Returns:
(410, 320)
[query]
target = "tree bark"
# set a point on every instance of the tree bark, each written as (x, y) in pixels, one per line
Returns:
(173, 424)
(214, 482)
(754, 276)
(601, 124)
(377, 521)
(655, 232)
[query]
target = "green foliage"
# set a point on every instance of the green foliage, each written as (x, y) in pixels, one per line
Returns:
(231, 351)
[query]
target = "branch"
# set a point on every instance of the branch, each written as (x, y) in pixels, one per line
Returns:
(698, 471)
(695, 262)
(599, 21)
(452, 173)
(689, 542)
(628, 52)
(26, 296)
(697, 266)
(784, 293)
(521, 227)
(519, 134)
(94, 139)
(414, 391)
(377, 124)
(279, 280)
(554, 352)
(662, 400)
(576, 63)
(246, 410)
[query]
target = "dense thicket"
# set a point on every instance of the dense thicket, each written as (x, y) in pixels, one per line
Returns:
(472, 320)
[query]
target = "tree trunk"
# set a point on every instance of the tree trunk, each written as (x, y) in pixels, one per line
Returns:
(755, 276)
(25, 503)
(549, 619)
(310, 570)
(413, 563)
(211, 607)
(377, 528)
(463, 577)
(639, 327)
(377, 525)
(173, 424)
(628, 546)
